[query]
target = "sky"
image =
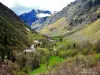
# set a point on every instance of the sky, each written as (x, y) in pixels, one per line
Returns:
(23, 6)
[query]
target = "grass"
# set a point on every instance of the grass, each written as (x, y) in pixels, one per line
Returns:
(34, 36)
(87, 32)
(41, 69)
(93, 30)
(56, 28)
(54, 60)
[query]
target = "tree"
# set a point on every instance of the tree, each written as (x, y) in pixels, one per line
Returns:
(61, 39)
(98, 46)
(74, 45)
(2, 55)
(35, 64)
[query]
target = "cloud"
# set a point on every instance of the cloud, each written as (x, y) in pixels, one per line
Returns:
(20, 6)
(43, 15)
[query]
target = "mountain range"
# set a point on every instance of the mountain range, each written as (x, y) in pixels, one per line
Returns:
(73, 20)
(34, 15)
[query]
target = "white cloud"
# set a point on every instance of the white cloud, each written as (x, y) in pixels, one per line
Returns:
(52, 5)
(43, 15)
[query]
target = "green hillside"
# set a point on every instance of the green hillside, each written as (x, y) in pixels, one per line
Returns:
(15, 37)
(13, 33)
(89, 32)
(55, 29)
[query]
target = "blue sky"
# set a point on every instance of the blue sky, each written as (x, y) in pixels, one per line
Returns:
(22, 6)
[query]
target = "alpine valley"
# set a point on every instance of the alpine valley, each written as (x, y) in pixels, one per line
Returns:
(41, 42)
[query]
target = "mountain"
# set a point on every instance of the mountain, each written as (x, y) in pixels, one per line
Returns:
(14, 34)
(34, 15)
(37, 24)
(74, 17)
(12, 30)
(51, 19)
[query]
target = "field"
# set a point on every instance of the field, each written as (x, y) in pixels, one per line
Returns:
(54, 60)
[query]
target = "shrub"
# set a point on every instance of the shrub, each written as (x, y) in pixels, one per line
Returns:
(42, 55)
(67, 53)
(96, 59)
(98, 46)
(85, 51)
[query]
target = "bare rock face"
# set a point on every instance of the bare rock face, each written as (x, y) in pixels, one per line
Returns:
(34, 15)
(79, 12)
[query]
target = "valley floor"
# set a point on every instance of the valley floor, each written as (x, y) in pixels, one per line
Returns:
(53, 61)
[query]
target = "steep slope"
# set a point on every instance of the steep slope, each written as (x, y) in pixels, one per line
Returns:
(89, 32)
(50, 20)
(34, 15)
(37, 24)
(76, 14)
(56, 28)
(13, 33)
